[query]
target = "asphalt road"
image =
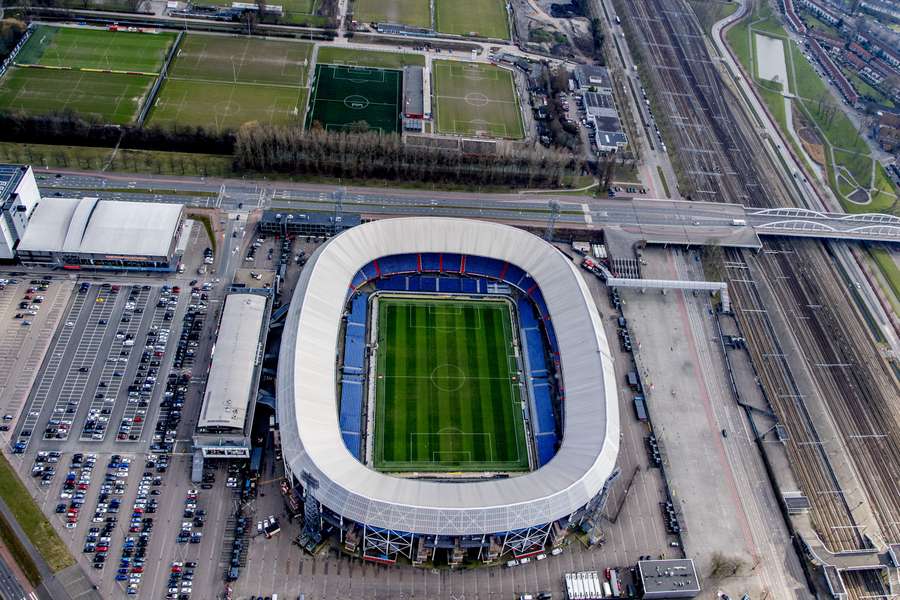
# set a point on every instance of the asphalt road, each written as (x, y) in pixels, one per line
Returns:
(658, 221)
(9, 585)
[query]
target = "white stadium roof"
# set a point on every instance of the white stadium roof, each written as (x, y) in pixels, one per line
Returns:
(93, 226)
(230, 380)
(308, 403)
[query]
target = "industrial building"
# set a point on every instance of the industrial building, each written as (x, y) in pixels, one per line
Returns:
(413, 98)
(600, 108)
(88, 233)
(296, 223)
(384, 517)
(675, 578)
(229, 400)
(19, 196)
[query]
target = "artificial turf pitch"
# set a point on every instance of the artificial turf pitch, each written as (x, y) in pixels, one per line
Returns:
(343, 95)
(447, 395)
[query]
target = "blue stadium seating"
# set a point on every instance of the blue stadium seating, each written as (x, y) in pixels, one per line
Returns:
(513, 274)
(449, 285)
(351, 413)
(358, 280)
(398, 264)
(546, 447)
(543, 420)
(431, 262)
(451, 263)
(370, 271)
(479, 265)
(353, 442)
(393, 284)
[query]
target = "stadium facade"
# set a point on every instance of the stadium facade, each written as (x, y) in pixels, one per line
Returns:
(385, 517)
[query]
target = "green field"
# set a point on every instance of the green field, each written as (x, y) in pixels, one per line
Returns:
(332, 55)
(96, 49)
(222, 82)
(32, 521)
(482, 18)
(847, 155)
(344, 96)
(107, 97)
(475, 99)
(409, 12)
(446, 394)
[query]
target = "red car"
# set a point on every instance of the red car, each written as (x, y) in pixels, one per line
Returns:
(176, 569)
(138, 570)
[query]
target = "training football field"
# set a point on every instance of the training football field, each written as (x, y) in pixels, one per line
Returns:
(221, 82)
(344, 96)
(476, 100)
(447, 393)
(101, 75)
(77, 48)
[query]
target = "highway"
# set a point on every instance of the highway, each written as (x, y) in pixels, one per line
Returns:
(656, 221)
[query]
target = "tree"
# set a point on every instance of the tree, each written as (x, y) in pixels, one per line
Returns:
(11, 31)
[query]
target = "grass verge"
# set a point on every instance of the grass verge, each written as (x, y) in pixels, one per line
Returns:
(32, 521)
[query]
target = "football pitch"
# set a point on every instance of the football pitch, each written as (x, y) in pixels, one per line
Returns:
(74, 48)
(409, 12)
(221, 82)
(476, 100)
(484, 18)
(100, 75)
(447, 395)
(107, 97)
(345, 95)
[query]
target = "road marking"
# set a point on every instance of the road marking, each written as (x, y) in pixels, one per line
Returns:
(587, 215)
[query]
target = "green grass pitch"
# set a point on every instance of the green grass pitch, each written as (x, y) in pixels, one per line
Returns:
(484, 18)
(107, 97)
(344, 95)
(409, 12)
(447, 397)
(96, 49)
(476, 100)
(221, 82)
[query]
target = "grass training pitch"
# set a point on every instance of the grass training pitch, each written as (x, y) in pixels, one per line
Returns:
(476, 100)
(447, 398)
(223, 82)
(346, 95)
(409, 12)
(483, 18)
(107, 97)
(73, 48)
(101, 75)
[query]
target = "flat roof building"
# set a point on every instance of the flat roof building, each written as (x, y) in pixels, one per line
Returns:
(76, 233)
(608, 134)
(593, 77)
(19, 196)
(676, 578)
(413, 97)
(599, 104)
(297, 223)
(226, 416)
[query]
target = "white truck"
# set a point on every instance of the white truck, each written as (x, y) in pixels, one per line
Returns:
(739, 222)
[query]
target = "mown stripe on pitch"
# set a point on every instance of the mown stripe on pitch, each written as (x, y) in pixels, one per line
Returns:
(480, 410)
(469, 394)
(427, 419)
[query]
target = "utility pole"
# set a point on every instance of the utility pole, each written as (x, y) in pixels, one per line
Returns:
(551, 220)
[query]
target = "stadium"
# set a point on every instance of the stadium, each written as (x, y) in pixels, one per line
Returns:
(445, 393)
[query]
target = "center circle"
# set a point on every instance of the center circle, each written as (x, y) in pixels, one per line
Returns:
(448, 378)
(356, 102)
(227, 108)
(477, 99)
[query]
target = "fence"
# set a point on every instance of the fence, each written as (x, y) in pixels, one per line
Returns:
(163, 73)
(12, 55)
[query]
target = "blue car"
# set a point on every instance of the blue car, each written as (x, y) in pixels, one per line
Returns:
(121, 577)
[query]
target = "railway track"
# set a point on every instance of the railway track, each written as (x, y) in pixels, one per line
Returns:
(719, 162)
